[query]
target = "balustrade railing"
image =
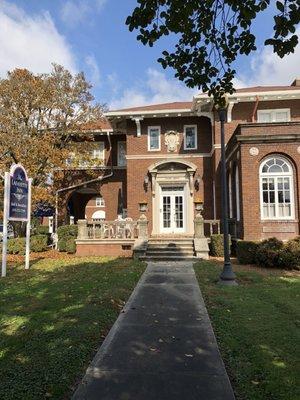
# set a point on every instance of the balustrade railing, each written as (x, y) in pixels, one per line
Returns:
(214, 226)
(125, 229)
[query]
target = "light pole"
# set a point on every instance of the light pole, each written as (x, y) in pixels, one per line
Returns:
(227, 276)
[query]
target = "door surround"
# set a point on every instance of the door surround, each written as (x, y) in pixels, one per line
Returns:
(172, 173)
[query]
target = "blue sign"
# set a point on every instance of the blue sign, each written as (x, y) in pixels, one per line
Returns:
(18, 197)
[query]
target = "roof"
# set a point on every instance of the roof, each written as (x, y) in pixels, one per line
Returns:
(266, 89)
(177, 105)
(102, 124)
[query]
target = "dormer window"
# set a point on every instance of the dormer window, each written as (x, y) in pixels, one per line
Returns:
(277, 115)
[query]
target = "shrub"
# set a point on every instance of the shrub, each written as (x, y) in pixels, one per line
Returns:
(216, 245)
(71, 246)
(288, 258)
(42, 230)
(246, 251)
(67, 231)
(39, 243)
(16, 246)
(268, 251)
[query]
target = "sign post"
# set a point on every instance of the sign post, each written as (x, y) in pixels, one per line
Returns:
(17, 207)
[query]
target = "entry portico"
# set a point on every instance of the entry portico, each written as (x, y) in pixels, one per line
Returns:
(172, 184)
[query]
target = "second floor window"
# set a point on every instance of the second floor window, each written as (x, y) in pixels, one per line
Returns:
(154, 138)
(121, 154)
(100, 202)
(190, 137)
(278, 115)
(98, 151)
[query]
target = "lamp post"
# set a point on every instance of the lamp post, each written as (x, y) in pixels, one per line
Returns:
(227, 276)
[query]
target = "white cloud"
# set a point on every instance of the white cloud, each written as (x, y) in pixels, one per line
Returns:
(94, 71)
(157, 88)
(75, 12)
(31, 41)
(266, 68)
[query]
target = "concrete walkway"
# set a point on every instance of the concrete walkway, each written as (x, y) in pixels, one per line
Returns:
(162, 347)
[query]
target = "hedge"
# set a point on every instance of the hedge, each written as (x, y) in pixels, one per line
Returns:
(67, 230)
(246, 251)
(66, 238)
(38, 243)
(71, 245)
(270, 253)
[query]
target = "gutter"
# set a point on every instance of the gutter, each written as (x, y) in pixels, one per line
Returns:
(99, 179)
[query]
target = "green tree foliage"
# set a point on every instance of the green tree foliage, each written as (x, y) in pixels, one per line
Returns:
(211, 35)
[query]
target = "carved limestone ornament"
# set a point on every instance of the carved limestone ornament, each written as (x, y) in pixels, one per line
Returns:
(254, 151)
(172, 141)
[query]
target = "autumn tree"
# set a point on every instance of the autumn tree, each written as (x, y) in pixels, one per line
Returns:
(39, 116)
(211, 34)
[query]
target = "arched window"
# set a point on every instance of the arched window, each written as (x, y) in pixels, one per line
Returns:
(276, 189)
(99, 215)
(237, 193)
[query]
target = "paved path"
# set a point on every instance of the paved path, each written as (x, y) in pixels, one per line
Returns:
(162, 347)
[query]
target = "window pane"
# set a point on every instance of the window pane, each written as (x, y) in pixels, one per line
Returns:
(264, 117)
(154, 139)
(190, 138)
(281, 116)
(121, 154)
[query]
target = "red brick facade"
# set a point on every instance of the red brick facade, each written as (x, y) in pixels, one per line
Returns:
(248, 143)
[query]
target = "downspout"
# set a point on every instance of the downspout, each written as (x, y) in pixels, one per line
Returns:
(255, 109)
(99, 179)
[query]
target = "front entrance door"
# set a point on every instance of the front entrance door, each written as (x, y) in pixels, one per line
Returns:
(172, 209)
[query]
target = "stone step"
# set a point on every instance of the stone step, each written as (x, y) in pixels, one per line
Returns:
(171, 242)
(170, 247)
(168, 258)
(169, 253)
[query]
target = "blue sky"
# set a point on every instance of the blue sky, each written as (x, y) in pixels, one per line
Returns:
(91, 36)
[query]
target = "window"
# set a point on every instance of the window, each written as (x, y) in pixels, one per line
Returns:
(153, 138)
(276, 189)
(237, 193)
(98, 152)
(100, 202)
(279, 115)
(121, 154)
(190, 137)
(99, 216)
(230, 195)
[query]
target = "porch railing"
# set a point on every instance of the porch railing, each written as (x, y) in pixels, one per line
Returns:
(122, 230)
(112, 230)
(214, 226)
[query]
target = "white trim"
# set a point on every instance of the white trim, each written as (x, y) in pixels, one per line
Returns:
(149, 138)
(147, 112)
(184, 137)
(138, 125)
(229, 111)
(277, 175)
(172, 194)
(272, 113)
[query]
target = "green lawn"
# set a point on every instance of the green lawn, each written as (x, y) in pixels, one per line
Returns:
(257, 328)
(54, 317)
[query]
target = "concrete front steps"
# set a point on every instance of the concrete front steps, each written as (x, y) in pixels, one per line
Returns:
(170, 249)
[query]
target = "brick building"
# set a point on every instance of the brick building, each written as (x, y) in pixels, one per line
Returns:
(166, 156)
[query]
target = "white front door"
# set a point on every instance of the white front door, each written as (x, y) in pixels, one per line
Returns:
(172, 209)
